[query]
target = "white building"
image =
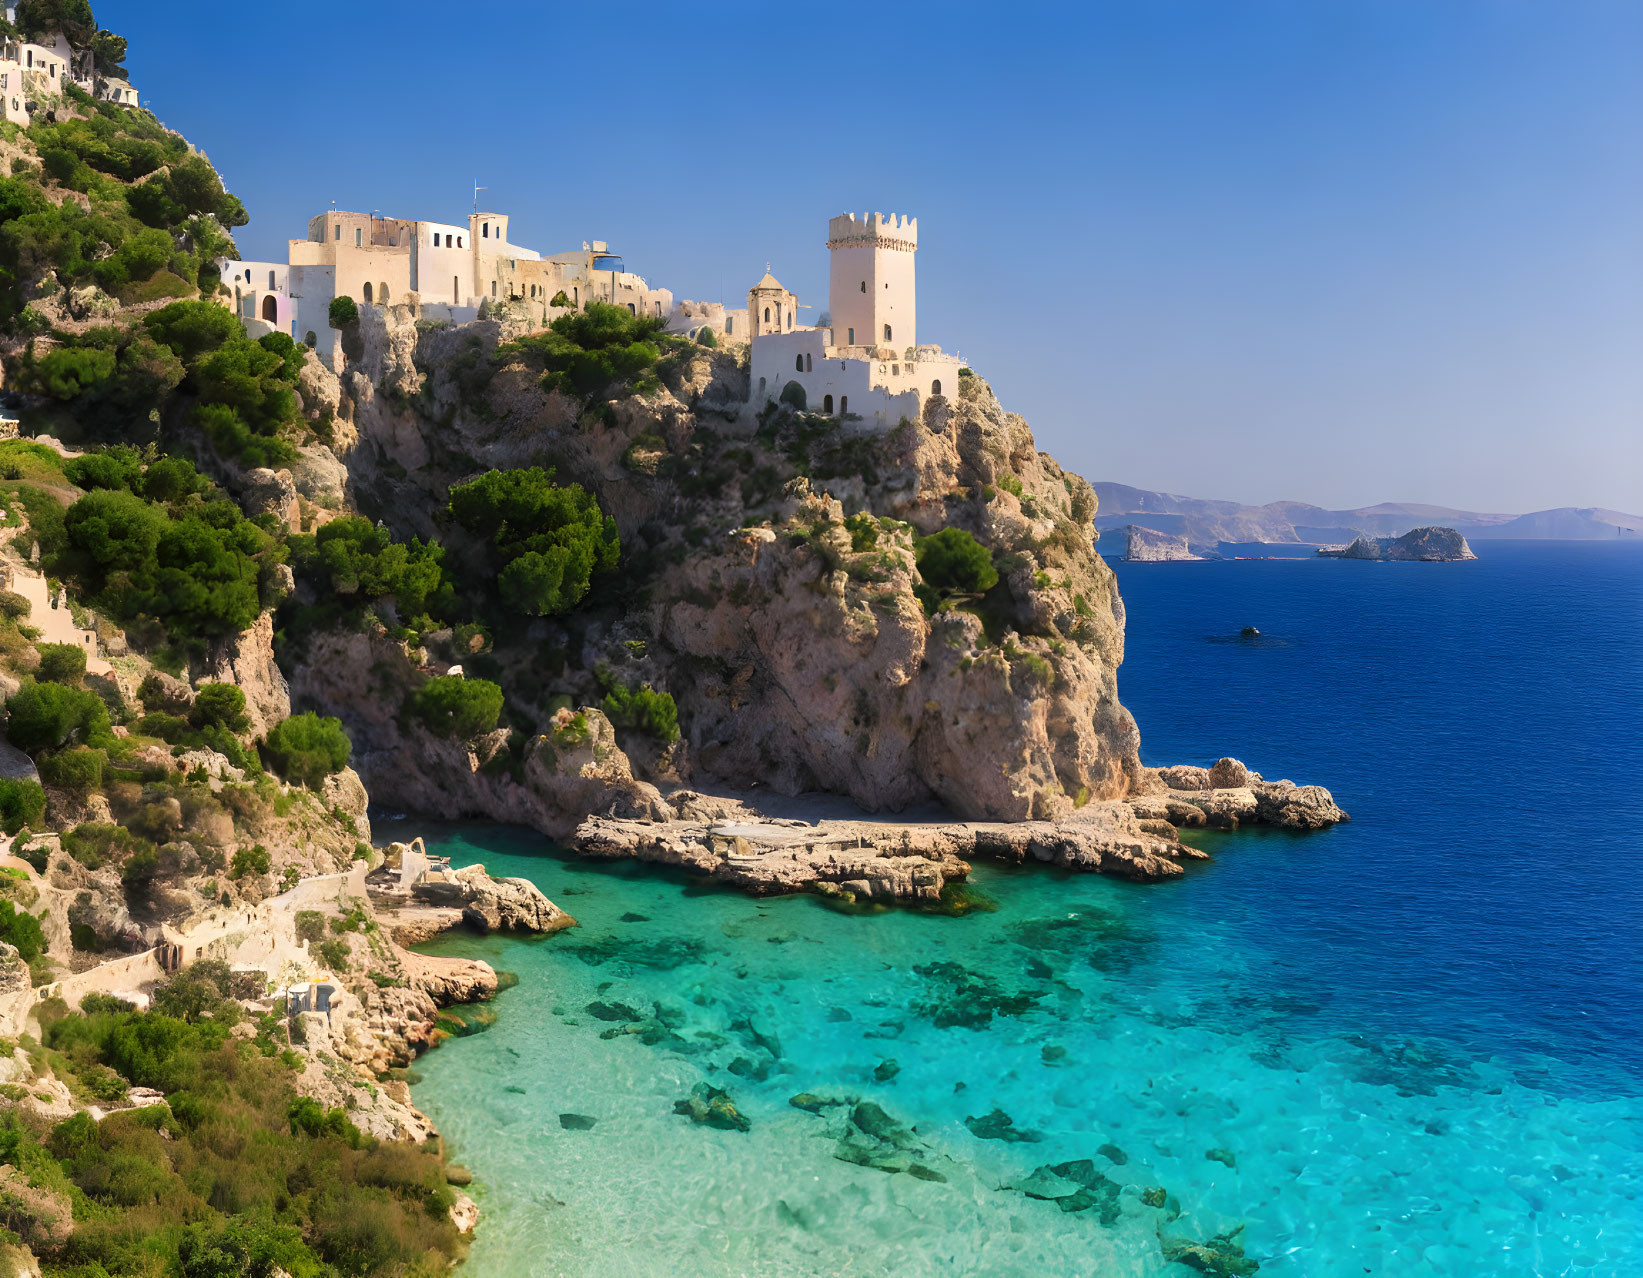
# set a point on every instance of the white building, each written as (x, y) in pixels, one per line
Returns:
(868, 363)
(33, 71)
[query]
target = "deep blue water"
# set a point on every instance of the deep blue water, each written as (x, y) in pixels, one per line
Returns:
(1406, 1046)
(1483, 724)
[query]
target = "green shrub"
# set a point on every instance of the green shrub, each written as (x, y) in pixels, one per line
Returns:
(23, 931)
(952, 562)
(49, 716)
(592, 350)
(219, 705)
(63, 663)
(642, 708)
(453, 706)
(547, 541)
(560, 299)
(80, 770)
(333, 952)
(355, 558)
(310, 925)
(307, 748)
(705, 337)
(252, 860)
(95, 844)
(343, 312)
(22, 802)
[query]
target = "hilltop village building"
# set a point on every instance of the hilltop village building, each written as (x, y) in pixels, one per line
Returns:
(866, 365)
(29, 72)
(450, 267)
(868, 362)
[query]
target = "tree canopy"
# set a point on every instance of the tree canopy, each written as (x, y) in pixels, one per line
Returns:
(547, 541)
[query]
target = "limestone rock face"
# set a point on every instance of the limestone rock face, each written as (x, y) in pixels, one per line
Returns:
(574, 770)
(344, 791)
(272, 492)
(812, 664)
(248, 660)
(319, 476)
(509, 904)
(14, 973)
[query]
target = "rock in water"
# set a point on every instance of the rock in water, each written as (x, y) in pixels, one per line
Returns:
(712, 1105)
(577, 1122)
(1249, 632)
(997, 1125)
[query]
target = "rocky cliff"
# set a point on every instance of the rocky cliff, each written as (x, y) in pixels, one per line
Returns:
(770, 586)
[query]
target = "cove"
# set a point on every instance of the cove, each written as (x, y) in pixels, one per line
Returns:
(1403, 1046)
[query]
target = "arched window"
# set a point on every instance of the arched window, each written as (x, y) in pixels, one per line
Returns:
(271, 283)
(382, 294)
(730, 323)
(809, 363)
(456, 292)
(935, 387)
(844, 405)
(761, 386)
(631, 309)
(270, 308)
(798, 363)
(575, 295)
(367, 291)
(827, 405)
(864, 286)
(887, 332)
(493, 288)
(767, 315)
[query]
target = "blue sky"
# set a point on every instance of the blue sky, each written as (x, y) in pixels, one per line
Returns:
(1339, 251)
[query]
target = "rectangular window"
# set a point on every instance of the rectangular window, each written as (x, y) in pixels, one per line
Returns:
(459, 241)
(851, 339)
(485, 230)
(358, 231)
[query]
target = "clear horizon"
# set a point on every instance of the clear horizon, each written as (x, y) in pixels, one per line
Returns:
(1343, 255)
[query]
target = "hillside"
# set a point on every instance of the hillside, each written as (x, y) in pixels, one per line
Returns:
(1206, 524)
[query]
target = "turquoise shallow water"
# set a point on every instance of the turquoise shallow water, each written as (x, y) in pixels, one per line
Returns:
(1409, 1043)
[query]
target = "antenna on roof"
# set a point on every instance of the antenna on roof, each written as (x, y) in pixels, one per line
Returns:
(477, 190)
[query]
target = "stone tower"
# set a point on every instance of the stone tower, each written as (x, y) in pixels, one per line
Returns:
(870, 284)
(770, 307)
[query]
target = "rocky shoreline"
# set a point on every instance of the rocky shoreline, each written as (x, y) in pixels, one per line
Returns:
(862, 860)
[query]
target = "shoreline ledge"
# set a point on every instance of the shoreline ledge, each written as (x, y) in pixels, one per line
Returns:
(886, 860)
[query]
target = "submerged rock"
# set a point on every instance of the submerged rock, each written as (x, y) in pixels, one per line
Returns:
(1223, 1156)
(1222, 1256)
(886, 1070)
(1074, 1186)
(997, 1125)
(871, 1138)
(958, 996)
(712, 1106)
(577, 1122)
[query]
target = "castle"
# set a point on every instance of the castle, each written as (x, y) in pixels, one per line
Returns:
(866, 364)
(30, 71)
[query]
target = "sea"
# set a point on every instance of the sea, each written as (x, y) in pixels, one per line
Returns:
(1409, 1045)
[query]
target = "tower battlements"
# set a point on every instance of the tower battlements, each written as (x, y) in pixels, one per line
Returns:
(873, 230)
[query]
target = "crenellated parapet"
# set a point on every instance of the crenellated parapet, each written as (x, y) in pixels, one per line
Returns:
(873, 230)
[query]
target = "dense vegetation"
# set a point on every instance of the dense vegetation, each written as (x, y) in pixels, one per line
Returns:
(595, 349)
(952, 563)
(158, 547)
(307, 748)
(547, 542)
(237, 1173)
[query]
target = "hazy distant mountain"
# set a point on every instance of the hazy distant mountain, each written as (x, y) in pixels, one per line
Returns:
(1206, 524)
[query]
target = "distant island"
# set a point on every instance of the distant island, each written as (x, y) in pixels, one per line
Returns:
(1143, 545)
(1206, 524)
(1419, 545)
